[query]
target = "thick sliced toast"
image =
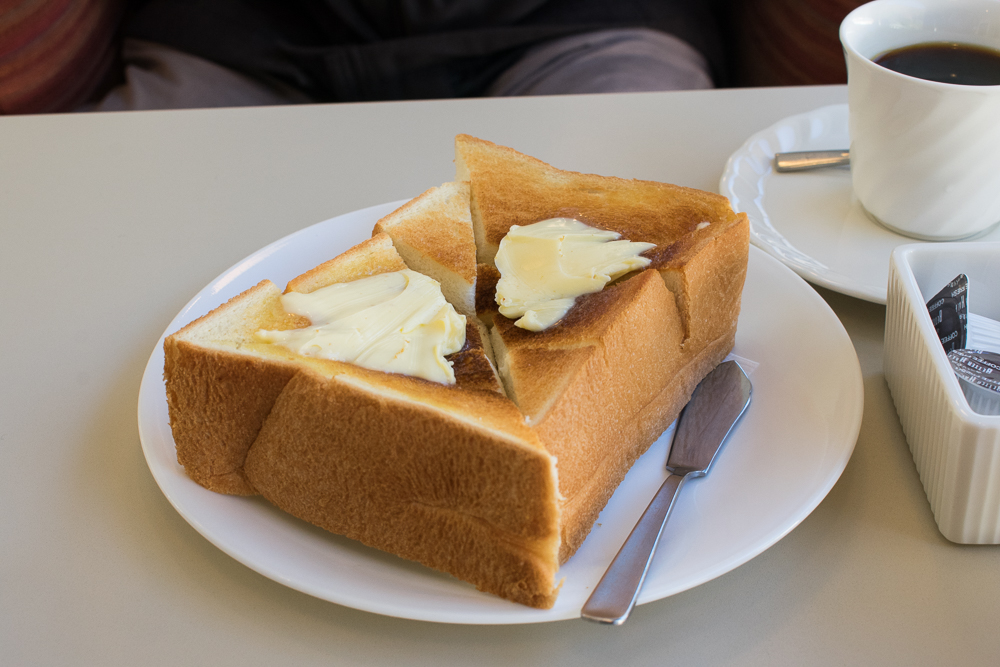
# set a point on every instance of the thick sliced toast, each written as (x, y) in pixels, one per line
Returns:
(510, 188)
(701, 244)
(433, 234)
(495, 489)
(446, 475)
(221, 381)
(220, 386)
(449, 478)
(602, 384)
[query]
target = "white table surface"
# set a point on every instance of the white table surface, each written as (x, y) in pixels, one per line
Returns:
(111, 222)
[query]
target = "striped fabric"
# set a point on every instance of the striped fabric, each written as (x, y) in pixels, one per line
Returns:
(790, 42)
(55, 53)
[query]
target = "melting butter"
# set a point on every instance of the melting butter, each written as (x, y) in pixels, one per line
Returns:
(545, 266)
(395, 322)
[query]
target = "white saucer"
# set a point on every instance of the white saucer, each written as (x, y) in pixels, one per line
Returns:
(811, 220)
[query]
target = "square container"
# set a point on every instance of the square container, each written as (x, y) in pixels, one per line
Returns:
(957, 451)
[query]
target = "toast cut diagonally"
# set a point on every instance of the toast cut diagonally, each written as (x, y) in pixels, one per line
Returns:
(510, 188)
(370, 257)
(495, 485)
(433, 234)
(222, 382)
(700, 241)
(448, 478)
(602, 384)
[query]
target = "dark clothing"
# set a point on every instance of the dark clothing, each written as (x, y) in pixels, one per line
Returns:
(344, 50)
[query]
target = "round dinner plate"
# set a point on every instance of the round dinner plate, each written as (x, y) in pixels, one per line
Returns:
(780, 461)
(811, 220)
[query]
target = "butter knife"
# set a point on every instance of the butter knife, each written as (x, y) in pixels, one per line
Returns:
(715, 407)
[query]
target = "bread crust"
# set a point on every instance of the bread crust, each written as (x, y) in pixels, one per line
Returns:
(369, 258)
(220, 390)
(599, 388)
(461, 486)
(510, 188)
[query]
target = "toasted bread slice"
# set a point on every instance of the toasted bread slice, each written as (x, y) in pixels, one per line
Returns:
(221, 384)
(495, 491)
(600, 387)
(449, 478)
(221, 381)
(510, 188)
(433, 234)
(370, 257)
(602, 384)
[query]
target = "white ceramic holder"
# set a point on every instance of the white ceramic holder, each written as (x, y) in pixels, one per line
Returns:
(956, 450)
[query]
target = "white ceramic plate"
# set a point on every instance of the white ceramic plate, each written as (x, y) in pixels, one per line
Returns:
(811, 221)
(780, 462)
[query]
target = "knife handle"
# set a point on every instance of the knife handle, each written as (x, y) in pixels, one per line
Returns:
(804, 160)
(615, 595)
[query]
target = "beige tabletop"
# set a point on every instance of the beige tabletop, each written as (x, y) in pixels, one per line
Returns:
(110, 223)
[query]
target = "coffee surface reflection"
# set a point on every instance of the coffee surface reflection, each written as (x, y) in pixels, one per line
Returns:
(945, 62)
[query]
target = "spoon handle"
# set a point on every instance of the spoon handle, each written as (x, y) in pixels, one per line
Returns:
(803, 160)
(615, 595)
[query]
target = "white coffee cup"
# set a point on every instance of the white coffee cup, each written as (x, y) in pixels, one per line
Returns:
(925, 156)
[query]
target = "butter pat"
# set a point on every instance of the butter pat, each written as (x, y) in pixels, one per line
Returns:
(545, 266)
(394, 322)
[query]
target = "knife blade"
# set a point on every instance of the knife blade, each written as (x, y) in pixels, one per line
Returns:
(703, 426)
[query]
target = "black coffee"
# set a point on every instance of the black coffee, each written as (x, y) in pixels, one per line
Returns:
(947, 62)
